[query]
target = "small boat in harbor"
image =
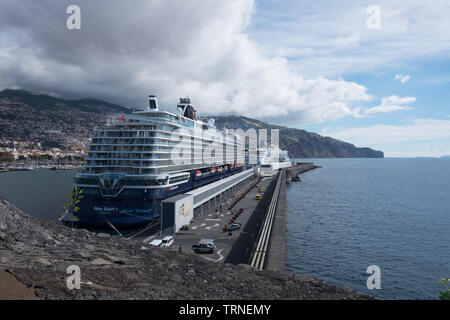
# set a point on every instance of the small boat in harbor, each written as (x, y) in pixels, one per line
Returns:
(62, 167)
(3, 169)
(20, 168)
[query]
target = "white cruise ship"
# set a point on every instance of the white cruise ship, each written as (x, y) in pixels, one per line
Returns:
(136, 160)
(273, 159)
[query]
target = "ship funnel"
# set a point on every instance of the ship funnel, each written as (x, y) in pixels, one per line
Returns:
(153, 103)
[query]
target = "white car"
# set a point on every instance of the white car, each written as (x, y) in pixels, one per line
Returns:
(156, 243)
(167, 241)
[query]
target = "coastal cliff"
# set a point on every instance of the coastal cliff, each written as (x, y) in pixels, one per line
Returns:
(37, 253)
(301, 143)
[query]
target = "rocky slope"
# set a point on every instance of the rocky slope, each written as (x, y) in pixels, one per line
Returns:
(38, 253)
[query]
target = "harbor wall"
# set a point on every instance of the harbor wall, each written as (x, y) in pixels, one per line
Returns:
(243, 248)
(276, 259)
(299, 168)
(276, 253)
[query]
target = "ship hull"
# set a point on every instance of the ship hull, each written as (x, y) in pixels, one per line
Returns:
(122, 212)
(130, 212)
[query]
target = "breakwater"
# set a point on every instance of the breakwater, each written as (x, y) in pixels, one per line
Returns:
(262, 244)
(276, 256)
(245, 246)
(299, 168)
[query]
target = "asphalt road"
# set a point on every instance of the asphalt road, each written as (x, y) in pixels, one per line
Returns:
(210, 227)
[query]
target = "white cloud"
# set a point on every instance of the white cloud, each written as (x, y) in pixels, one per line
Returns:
(402, 78)
(391, 104)
(125, 51)
(388, 104)
(422, 152)
(333, 39)
(419, 137)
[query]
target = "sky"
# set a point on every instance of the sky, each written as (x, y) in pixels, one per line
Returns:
(373, 73)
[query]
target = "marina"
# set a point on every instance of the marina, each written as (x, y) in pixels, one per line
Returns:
(30, 167)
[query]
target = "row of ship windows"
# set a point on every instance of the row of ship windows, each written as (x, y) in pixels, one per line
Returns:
(159, 117)
(170, 131)
(119, 153)
(134, 130)
(149, 141)
(129, 149)
(156, 133)
(160, 139)
(165, 161)
(137, 171)
(153, 155)
(142, 193)
(151, 193)
(101, 160)
(151, 119)
(132, 134)
(147, 163)
(162, 146)
(119, 144)
(138, 156)
(138, 130)
(136, 182)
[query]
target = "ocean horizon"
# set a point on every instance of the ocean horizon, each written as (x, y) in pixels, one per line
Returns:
(353, 213)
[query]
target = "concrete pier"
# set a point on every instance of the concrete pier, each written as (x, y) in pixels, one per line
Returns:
(269, 250)
(244, 246)
(276, 255)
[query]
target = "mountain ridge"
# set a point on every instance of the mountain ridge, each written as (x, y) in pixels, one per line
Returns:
(29, 116)
(301, 143)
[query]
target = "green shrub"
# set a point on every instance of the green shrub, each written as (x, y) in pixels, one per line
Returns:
(445, 294)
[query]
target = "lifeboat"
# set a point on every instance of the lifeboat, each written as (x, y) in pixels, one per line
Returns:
(197, 173)
(212, 170)
(219, 169)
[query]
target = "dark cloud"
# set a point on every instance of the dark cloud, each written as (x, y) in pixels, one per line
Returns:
(126, 50)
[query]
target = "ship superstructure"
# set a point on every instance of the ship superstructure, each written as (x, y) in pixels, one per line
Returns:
(272, 159)
(138, 159)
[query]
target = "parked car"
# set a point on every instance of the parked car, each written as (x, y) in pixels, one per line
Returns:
(167, 241)
(156, 243)
(203, 248)
(234, 226)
